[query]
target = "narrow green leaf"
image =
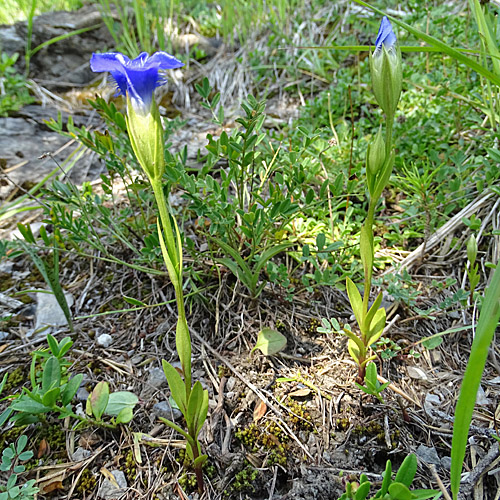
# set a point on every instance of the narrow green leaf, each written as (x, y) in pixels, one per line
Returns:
(377, 327)
(134, 302)
(407, 471)
(372, 311)
(71, 389)
(486, 326)
(270, 342)
(194, 406)
(387, 478)
(177, 386)
(180, 430)
(53, 345)
(29, 406)
(355, 300)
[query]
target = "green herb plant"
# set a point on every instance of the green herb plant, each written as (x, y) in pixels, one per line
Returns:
(11, 458)
(391, 489)
(472, 269)
(14, 90)
(386, 71)
(53, 389)
(372, 385)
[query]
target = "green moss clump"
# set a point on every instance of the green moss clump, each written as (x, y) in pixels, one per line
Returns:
(130, 468)
(16, 378)
(86, 483)
(243, 480)
(188, 482)
(301, 418)
(270, 438)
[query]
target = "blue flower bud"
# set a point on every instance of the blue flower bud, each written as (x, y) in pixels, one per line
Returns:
(386, 69)
(375, 156)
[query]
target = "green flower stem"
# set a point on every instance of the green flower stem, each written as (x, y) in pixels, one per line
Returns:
(174, 267)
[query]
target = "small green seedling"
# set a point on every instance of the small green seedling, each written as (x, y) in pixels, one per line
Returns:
(372, 385)
(397, 489)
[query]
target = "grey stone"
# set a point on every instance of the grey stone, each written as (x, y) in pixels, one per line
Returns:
(481, 398)
(108, 491)
(155, 381)
(3, 336)
(157, 377)
(104, 340)
(82, 394)
(80, 454)
(428, 455)
(48, 311)
(446, 463)
(231, 382)
(164, 410)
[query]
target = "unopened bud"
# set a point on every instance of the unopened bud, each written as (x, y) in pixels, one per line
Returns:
(375, 156)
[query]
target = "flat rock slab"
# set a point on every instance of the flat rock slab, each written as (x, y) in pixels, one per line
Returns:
(29, 150)
(49, 312)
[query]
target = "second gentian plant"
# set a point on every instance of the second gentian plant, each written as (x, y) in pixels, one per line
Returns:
(386, 73)
(137, 80)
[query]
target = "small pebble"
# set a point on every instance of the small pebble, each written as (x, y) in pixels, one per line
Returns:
(104, 340)
(108, 491)
(428, 455)
(417, 373)
(164, 410)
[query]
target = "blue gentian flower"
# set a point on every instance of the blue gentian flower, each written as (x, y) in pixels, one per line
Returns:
(386, 69)
(386, 36)
(136, 78)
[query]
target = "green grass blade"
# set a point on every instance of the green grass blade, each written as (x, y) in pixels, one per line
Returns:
(488, 321)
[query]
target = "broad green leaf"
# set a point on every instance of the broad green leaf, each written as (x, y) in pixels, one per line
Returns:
(177, 386)
(29, 406)
(71, 388)
(486, 326)
(353, 349)
(399, 491)
(407, 471)
(270, 342)
(125, 416)
(99, 399)
(362, 491)
(120, 400)
(51, 376)
(51, 396)
(355, 300)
